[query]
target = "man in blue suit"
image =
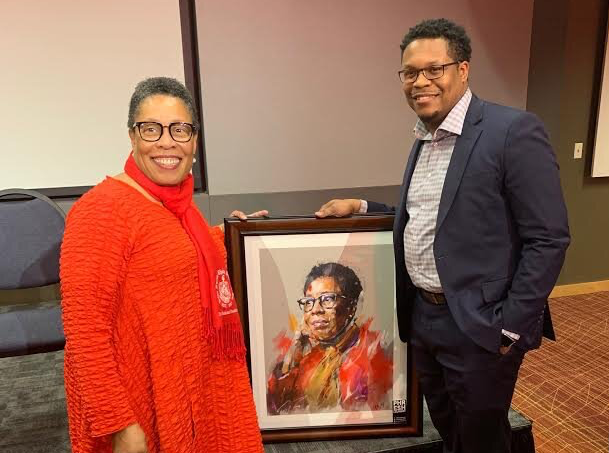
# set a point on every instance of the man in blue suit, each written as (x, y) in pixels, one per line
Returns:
(480, 236)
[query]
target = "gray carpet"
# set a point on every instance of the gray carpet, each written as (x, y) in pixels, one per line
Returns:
(33, 414)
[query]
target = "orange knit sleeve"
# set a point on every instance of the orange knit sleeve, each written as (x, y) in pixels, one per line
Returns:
(94, 255)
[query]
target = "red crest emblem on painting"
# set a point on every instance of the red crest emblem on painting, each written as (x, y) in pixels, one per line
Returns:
(223, 288)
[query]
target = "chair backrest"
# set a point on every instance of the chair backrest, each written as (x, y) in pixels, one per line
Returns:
(31, 230)
(31, 331)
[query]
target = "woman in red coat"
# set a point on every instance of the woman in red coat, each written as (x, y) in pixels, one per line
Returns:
(154, 357)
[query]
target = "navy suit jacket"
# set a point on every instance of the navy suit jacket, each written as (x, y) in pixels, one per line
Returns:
(501, 231)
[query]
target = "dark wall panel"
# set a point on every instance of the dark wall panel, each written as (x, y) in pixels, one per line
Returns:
(567, 47)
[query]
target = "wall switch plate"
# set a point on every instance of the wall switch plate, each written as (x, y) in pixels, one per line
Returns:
(579, 149)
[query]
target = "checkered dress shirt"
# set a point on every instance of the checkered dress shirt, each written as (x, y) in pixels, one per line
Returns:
(424, 195)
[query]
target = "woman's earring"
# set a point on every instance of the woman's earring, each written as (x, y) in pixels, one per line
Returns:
(194, 159)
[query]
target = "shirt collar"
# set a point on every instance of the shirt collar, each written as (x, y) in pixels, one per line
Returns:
(452, 124)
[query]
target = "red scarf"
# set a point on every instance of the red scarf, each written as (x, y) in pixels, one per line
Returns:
(221, 323)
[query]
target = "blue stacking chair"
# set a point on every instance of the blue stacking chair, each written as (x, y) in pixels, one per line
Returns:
(31, 230)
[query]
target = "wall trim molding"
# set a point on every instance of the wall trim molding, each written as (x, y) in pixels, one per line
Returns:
(580, 288)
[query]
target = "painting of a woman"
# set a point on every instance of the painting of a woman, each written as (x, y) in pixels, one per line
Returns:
(333, 360)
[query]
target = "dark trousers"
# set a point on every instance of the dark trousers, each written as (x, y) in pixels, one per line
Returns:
(467, 388)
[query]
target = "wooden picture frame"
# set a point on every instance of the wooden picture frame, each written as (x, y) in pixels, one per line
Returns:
(326, 373)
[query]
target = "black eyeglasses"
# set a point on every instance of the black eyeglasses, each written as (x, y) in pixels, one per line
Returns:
(326, 300)
(152, 131)
(431, 72)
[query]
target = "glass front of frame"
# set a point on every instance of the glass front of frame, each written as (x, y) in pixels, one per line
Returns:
(325, 367)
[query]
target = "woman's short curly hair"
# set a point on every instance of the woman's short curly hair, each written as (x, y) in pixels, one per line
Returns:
(166, 86)
(459, 46)
(347, 279)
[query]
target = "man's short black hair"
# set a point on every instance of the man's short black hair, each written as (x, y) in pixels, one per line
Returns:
(459, 46)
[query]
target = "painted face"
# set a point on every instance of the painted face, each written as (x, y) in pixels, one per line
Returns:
(432, 100)
(325, 323)
(166, 162)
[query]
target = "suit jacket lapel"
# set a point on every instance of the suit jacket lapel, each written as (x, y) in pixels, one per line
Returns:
(458, 161)
(412, 161)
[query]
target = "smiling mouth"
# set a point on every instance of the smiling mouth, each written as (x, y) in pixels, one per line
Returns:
(421, 98)
(167, 163)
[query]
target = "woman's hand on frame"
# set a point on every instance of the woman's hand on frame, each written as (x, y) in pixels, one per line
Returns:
(242, 216)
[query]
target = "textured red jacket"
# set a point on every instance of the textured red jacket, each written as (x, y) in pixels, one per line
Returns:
(134, 345)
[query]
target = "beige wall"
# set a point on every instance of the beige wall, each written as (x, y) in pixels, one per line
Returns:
(297, 95)
(68, 70)
(303, 95)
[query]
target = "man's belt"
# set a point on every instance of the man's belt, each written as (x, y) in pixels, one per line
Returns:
(432, 298)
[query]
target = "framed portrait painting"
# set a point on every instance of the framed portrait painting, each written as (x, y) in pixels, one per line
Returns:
(317, 304)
